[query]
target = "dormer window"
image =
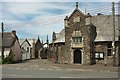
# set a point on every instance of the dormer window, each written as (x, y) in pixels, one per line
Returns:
(76, 19)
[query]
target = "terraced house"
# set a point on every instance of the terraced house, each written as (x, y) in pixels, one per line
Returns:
(86, 39)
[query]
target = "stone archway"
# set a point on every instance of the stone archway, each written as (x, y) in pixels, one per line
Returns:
(77, 56)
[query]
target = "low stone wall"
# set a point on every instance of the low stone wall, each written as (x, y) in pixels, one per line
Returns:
(107, 61)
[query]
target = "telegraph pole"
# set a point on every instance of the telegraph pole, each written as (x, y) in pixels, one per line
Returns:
(2, 42)
(113, 43)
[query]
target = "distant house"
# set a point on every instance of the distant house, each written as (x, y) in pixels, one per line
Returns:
(26, 49)
(11, 43)
(31, 47)
(38, 45)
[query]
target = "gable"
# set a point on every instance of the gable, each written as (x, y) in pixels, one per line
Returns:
(25, 43)
(38, 44)
(76, 14)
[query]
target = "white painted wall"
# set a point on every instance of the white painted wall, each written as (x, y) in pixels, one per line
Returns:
(26, 46)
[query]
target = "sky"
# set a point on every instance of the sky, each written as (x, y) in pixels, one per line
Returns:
(38, 18)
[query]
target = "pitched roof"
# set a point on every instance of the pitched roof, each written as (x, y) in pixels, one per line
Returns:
(38, 44)
(8, 39)
(104, 27)
(26, 41)
(29, 40)
(75, 11)
(61, 37)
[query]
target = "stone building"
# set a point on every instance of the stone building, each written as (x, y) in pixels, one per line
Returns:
(86, 39)
(38, 45)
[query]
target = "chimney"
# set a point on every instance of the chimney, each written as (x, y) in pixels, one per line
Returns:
(66, 21)
(88, 19)
(14, 32)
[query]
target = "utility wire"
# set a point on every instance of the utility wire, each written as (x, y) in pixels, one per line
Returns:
(57, 18)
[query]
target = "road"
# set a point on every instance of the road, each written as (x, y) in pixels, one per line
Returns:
(44, 69)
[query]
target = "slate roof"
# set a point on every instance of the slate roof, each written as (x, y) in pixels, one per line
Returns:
(61, 37)
(8, 39)
(76, 9)
(104, 28)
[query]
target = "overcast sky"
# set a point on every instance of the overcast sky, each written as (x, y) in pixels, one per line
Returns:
(34, 18)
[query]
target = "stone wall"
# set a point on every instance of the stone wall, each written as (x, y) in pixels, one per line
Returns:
(61, 56)
(117, 56)
(88, 33)
(68, 40)
(72, 26)
(103, 47)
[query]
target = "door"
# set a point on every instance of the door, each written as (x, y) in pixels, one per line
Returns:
(77, 56)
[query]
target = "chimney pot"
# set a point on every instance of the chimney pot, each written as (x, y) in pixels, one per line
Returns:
(14, 32)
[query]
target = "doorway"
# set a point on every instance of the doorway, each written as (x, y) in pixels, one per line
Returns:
(77, 56)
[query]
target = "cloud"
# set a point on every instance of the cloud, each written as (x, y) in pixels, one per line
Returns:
(31, 19)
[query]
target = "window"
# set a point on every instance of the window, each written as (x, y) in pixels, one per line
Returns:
(27, 49)
(22, 47)
(77, 39)
(76, 19)
(109, 50)
(99, 55)
(30, 50)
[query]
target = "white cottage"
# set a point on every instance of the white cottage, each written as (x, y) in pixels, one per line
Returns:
(26, 49)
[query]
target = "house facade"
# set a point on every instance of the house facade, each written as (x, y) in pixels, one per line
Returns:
(11, 44)
(86, 40)
(30, 48)
(26, 49)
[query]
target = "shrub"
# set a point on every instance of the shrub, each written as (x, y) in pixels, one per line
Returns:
(9, 59)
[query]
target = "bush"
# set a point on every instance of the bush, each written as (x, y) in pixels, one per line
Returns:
(9, 59)
(0, 60)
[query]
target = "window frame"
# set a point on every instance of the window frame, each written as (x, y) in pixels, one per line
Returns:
(77, 40)
(99, 55)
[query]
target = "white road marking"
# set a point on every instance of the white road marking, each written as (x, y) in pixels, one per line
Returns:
(42, 69)
(24, 68)
(50, 69)
(34, 66)
(10, 68)
(68, 77)
(17, 68)
(54, 67)
(14, 75)
(59, 69)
